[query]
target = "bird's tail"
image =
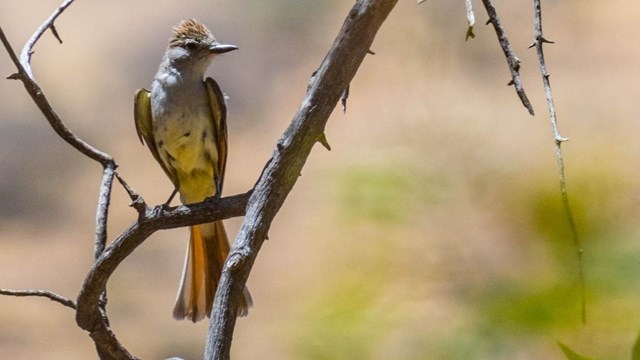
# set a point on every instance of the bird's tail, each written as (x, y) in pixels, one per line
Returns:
(208, 249)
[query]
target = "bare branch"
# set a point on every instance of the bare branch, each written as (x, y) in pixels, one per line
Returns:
(25, 75)
(41, 293)
(27, 50)
(512, 59)
(106, 343)
(102, 215)
(537, 43)
(335, 73)
(90, 316)
(154, 219)
(104, 198)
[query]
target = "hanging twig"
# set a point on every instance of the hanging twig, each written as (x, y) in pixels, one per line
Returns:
(512, 59)
(471, 20)
(539, 40)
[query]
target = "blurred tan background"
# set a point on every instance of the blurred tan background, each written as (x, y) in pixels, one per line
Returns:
(433, 230)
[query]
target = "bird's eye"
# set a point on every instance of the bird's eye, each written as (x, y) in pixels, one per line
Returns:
(191, 46)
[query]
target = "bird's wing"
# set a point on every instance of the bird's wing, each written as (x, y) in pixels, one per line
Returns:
(219, 111)
(144, 127)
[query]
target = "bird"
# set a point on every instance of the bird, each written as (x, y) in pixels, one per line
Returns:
(182, 120)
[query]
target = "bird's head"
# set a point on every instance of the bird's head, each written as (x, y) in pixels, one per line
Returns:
(193, 45)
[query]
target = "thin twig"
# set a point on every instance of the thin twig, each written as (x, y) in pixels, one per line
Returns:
(558, 139)
(471, 20)
(40, 293)
(512, 59)
(27, 50)
(24, 74)
(137, 202)
(283, 170)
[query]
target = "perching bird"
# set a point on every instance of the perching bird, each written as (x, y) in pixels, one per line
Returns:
(183, 122)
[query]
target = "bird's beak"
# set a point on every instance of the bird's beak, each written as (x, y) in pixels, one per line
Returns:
(221, 48)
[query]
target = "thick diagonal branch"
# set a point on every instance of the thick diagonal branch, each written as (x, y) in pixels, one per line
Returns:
(334, 75)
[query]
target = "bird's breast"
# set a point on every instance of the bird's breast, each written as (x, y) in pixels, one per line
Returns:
(182, 128)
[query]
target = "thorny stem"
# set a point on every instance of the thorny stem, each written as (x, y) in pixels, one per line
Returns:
(512, 59)
(558, 139)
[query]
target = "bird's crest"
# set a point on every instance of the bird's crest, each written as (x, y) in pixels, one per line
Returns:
(190, 30)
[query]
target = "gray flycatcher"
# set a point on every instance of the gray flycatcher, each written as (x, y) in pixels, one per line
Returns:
(183, 122)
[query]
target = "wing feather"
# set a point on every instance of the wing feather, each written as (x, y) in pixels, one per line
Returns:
(218, 107)
(144, 127)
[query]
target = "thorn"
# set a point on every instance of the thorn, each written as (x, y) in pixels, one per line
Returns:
(137, 202)
(533, 44)
(54, 31)
(14, 76)
(546, 41)
(29, 54)
(266, 237)
(560, 139)
(510, 83)
(370, 52)
(488, 22)
(322, 139)
(343, 99)
(313, 76)
(420, 1)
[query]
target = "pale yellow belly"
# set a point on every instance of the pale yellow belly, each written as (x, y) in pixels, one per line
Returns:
(192, 155)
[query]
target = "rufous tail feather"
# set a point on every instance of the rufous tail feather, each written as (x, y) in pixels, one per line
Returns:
(208, 249)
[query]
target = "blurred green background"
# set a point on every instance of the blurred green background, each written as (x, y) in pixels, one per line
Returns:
(433, 230)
